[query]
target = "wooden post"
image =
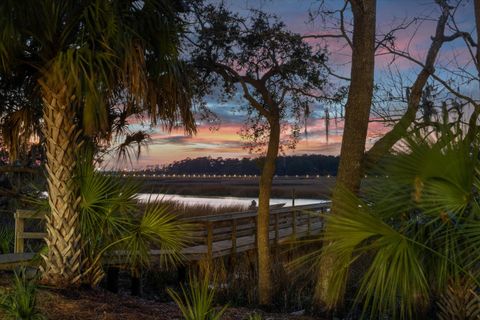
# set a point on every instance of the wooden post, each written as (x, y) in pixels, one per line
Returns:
(234, 236)
(294, 223)
(136, 284)
(19, 229)
(112, 278)
(233, 256)
(293, 197)
(182, 273)
(255, 224)
(309, 224)
(276, 228)
(209, 242)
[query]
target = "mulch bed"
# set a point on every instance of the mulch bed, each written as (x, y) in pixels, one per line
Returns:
(102, 305)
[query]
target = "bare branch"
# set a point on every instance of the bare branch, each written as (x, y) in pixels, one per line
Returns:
(440, 80)
(342, 25)
(329, 70)
(390, 35)
(384, 144)
(343, 33)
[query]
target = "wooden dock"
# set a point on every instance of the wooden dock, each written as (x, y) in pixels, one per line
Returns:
(216, 236)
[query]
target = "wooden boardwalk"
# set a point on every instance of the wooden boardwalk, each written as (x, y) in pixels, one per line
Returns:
(216, 235)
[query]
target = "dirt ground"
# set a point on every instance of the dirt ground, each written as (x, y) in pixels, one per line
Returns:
(101, 305)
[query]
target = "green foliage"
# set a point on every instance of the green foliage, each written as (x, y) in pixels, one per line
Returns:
(116, 59)
(255, 316)
(196, 302)
(417, 223)
(111, 221)
(7, 238)
(20, 303)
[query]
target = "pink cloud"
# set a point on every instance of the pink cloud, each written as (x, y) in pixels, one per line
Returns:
(225, 142)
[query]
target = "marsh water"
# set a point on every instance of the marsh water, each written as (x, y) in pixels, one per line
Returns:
(219, 201)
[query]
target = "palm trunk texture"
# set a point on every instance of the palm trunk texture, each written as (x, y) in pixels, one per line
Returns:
(63, 259)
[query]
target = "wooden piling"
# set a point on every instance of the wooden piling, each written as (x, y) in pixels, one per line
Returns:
(209, 242)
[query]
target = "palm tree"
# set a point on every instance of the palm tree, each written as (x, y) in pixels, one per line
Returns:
(112, 220)
(93, 63)
(20, 115)
(417, 224)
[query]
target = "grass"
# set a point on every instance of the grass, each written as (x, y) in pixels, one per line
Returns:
(255, 316)
(205, 209)
(185, 210)
(7, 238)
(20, 303)
(236, 278)
(197, 300)
(312, 188)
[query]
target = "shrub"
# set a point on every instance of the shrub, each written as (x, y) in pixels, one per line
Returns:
(197, 301)
(7, 239)
(20, 303)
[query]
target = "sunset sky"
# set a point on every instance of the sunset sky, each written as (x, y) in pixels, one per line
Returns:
(226, 142)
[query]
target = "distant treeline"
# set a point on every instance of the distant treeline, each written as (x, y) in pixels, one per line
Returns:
(290, 165)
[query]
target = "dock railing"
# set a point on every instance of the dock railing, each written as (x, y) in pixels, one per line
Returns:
(299, 221)
(20, 234)
(221, 234)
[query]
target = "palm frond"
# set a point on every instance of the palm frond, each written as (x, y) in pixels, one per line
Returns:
(417, 223)
(395, 270)
(112, 222)
(105, 52)
(159, 229)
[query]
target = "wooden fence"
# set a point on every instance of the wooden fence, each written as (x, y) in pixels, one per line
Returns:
(219, 235)
(20, 234)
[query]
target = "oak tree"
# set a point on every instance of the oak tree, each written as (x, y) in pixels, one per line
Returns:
(277, 72)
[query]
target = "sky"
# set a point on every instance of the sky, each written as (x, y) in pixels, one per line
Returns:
(225, 141)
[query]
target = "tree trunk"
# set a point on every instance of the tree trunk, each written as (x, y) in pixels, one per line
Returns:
(62, 261)
(357, 113)
(263, 218)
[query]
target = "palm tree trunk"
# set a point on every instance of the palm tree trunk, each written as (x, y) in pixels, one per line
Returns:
(263, 217)
(62, 262)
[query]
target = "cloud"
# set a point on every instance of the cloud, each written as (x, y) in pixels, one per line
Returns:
(180, 140)
(225, 141)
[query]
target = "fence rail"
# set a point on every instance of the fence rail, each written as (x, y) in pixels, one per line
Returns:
(218, 235)
(20, 234)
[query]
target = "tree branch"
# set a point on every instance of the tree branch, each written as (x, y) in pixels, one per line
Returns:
(229, 74)
(384, 144)
(343, 33)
